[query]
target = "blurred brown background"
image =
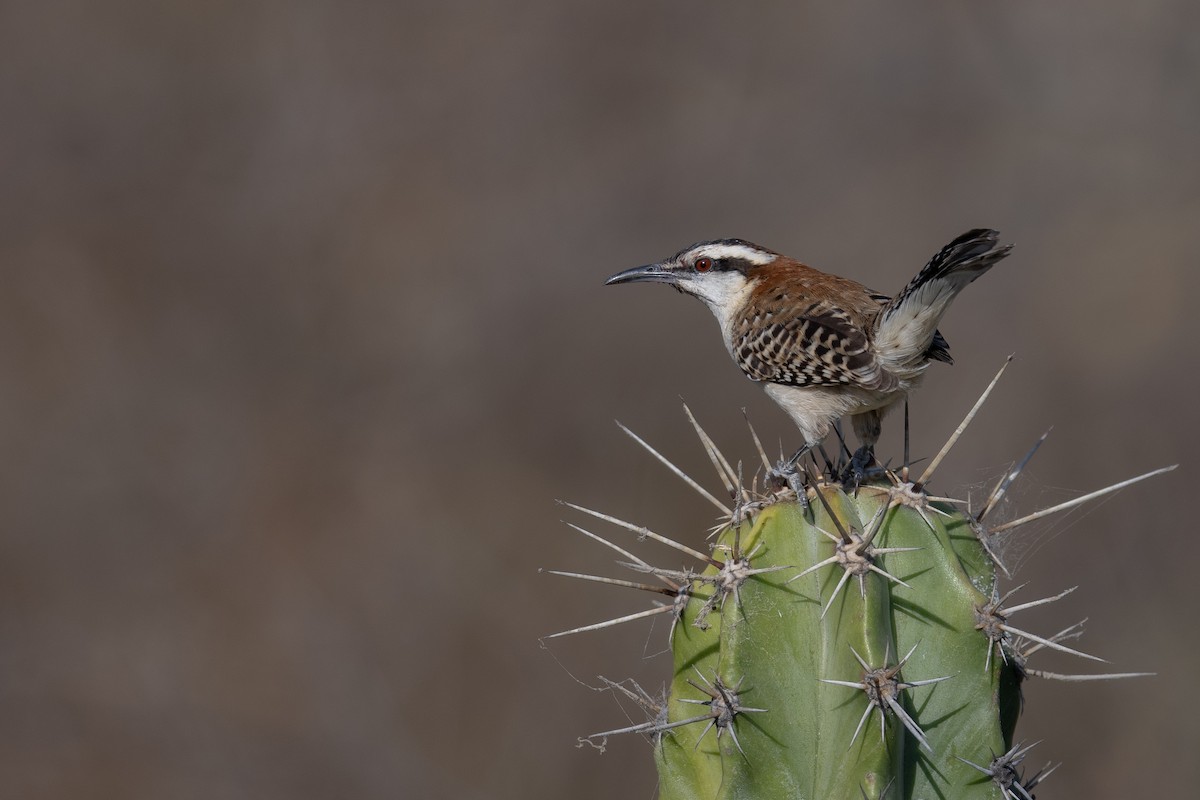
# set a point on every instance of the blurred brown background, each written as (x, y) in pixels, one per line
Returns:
(302, 333)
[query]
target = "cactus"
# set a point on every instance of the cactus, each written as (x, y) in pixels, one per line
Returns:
(851, 641)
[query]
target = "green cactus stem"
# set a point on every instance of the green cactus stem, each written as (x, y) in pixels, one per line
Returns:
(851, 642)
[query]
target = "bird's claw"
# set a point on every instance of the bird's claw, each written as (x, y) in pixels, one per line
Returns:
(788, 474)
(859, 468)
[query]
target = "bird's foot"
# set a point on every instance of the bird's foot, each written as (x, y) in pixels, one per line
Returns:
(789, 474)
(860, 468)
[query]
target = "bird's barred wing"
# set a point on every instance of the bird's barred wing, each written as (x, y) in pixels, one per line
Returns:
(819, 347)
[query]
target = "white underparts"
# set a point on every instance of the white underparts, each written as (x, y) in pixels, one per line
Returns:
(814, 409)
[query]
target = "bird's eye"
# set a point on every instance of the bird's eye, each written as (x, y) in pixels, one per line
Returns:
(704, 264)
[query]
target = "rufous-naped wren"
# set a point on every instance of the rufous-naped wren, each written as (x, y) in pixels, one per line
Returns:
(824, 346)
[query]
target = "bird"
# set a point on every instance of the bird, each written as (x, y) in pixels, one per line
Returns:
(823, 346)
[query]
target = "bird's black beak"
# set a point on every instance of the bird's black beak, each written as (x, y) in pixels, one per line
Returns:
(653, 273)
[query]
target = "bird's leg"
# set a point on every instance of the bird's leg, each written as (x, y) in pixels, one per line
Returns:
(867, 426)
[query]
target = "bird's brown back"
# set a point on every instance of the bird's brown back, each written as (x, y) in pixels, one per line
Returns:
(804, 327)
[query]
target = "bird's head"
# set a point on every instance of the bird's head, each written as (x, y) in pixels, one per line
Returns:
(717, 272)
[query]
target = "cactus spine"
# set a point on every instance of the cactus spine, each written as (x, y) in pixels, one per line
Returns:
(851, 643)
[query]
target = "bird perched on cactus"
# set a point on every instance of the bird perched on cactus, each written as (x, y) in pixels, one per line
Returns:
(825, 346)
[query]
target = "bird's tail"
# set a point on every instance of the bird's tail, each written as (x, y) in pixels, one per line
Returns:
(906, 327)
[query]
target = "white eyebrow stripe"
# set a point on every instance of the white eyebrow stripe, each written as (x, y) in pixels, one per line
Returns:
(717, 251)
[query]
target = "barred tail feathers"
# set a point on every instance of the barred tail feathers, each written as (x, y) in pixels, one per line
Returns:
(907, 326)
